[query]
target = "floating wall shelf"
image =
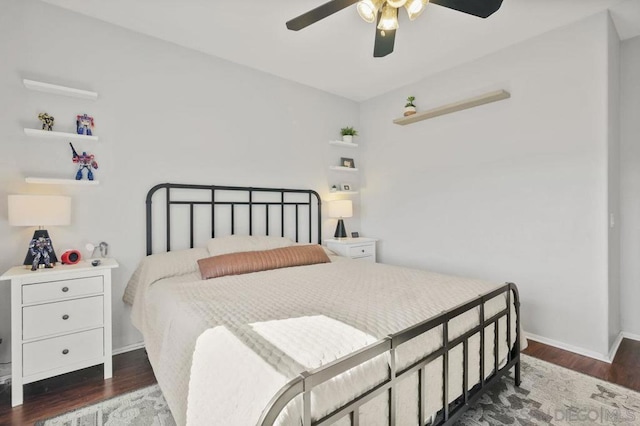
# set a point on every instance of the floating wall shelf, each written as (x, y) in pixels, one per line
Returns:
(55, 181)
(487, 98)
(45, 134)
(59, 90)
(345, 192)
(345, 144)
(343, 169)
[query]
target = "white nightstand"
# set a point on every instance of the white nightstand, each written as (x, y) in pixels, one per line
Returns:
(60, 321)
(354, 248)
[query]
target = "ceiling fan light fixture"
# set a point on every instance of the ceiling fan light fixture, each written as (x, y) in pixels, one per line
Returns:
(389, 18)
(396, 3)
(368, 9)
(415, 8)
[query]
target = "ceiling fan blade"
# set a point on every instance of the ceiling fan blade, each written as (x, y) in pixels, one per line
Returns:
(481, 8)
(385, 40)
(318, 13)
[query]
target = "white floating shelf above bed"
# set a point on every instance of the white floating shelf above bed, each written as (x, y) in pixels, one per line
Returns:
(45, 134)
(345, 192)
(486, 98)
(343, 169)
(59, 90)
(345, 144)
(57, 181)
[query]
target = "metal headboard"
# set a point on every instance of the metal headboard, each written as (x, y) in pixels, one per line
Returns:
(217, 198)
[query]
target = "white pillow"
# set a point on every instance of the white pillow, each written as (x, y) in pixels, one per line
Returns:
(236, 243)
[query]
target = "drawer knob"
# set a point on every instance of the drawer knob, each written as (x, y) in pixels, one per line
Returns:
(65, 317)
(65, 289)
(363, 250)
(65, 351)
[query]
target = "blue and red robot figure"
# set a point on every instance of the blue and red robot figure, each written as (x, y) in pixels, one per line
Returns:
(84, 161)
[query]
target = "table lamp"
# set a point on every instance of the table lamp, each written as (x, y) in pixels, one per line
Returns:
(40, 210)
(340, 209)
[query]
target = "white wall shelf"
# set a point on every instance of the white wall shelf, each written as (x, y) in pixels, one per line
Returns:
(63, 136)
(56, 181)
(345, 144)
(487, 98)
(343, 169)
(59, 90)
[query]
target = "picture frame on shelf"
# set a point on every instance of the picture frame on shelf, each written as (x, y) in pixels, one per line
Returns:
(347, 162)
(345, 187)
(355, 234)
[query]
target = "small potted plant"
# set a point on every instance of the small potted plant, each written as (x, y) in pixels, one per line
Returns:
(410, 108)
(348, 133)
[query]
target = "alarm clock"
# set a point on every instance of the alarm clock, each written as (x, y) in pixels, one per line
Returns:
(70, 257)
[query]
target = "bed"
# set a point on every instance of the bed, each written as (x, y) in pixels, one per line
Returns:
(343, 342)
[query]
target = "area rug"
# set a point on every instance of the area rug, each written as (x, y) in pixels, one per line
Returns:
(549, 395)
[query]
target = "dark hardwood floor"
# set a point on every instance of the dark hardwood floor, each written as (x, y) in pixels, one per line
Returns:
(624, 370)
(132, 371)
(57, 395)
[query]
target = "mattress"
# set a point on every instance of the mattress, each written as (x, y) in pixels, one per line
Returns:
(222, 348)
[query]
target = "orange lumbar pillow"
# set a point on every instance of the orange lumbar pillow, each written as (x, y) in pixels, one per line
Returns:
(255, 261)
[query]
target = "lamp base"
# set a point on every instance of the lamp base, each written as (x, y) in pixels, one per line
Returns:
(341, 232)
(40, 251)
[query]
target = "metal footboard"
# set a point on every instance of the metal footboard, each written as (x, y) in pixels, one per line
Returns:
(450, 412)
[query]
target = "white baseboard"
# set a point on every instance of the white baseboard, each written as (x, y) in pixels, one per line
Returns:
(128, 348)
(586, 352)
(7, 378)
(631, 336)
(618, 341)
(615, 347)
(566, 347)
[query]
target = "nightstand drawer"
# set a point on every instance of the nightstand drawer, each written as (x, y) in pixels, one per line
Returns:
(58, 352)
(56, 290)
(62, 317)
(366, 259)
(362, 251)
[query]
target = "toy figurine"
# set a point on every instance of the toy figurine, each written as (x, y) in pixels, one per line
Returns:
(47, 121)
(84, 124)
(84, 161)
(40, 248)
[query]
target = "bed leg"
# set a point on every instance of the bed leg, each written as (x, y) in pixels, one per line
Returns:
(517, 374)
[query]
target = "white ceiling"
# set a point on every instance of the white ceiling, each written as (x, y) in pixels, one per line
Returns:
(336, 54)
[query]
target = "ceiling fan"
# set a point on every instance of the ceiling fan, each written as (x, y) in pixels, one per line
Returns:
(386, 14)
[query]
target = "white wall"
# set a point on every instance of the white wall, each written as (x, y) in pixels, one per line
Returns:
(630, 184)
(165, 114)
(512, 191)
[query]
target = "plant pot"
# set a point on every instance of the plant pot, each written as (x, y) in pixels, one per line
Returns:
(347, 138)
(410, 110)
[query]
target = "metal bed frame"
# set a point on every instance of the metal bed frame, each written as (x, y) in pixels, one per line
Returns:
(451, 412)
(308, 380)
(218, 198)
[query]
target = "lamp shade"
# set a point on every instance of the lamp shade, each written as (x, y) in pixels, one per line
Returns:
(340, 208)
(415, 8)
(39, 210)
(368, 9)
